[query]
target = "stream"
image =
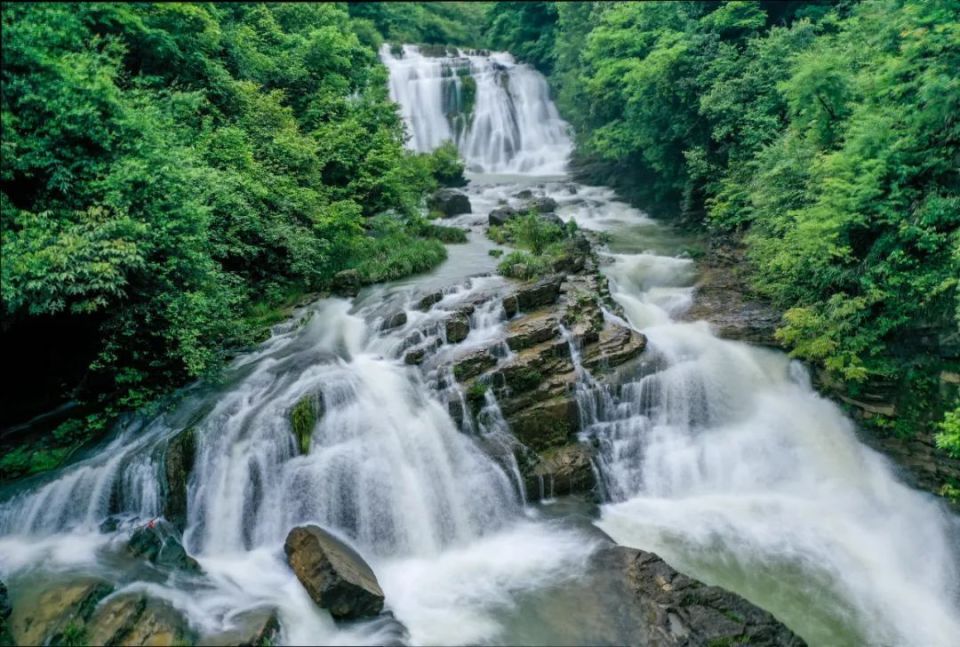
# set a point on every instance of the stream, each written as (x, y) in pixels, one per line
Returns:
(721, 457)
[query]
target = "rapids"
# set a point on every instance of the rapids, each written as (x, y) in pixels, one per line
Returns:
(715, 454)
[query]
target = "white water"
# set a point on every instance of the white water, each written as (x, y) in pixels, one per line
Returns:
(717, 455)
(513, 126)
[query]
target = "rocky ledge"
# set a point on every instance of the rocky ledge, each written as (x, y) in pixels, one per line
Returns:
(551, 320)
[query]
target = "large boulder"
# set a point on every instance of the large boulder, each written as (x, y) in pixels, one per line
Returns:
(336, 576)
(57, 614)
(135, 619)
(159, 543)
(450, 202)
(177, 463)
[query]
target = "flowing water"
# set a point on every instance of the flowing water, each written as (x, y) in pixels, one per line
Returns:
(715, 454)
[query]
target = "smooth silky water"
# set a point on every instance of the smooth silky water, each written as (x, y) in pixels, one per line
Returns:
(724, 460)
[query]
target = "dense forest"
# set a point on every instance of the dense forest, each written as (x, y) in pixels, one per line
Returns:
(175, 175)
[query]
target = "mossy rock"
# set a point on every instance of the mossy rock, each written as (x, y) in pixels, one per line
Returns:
(303, 419)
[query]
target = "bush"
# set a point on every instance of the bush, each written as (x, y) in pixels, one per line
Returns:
(446, 166)
(523, 265)
(533, 232)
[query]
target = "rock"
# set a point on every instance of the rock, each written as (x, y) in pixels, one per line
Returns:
(681, 610)
(473, 364)
(6, 638)
(395, 320)
(415, 356)
(526, 194)
(457, 327)
(335, 576)
(256, 628)
(616, 344)
(531, 330)
(544, 292)
(552, 219)
(135, 619)
(561, 471)
(541, 205)
(427, 302)
(303, 419)
(346, 283)
(158, 542)
(177, 463)
(57, 614)
(547, 424)
(450, 202)
(658, 607)
(499, 216)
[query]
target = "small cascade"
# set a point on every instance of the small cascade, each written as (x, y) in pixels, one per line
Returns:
(496, 111)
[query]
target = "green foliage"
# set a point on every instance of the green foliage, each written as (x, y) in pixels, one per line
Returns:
(165, 166)
(826, 132)
(533, 232)
(949, 437)
(446, 166)
(303, 418)
(523, 266)
(442, 23)
(525, 29)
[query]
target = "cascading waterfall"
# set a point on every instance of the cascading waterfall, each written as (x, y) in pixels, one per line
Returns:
(497, 112)
(719, 456)
(715, 454)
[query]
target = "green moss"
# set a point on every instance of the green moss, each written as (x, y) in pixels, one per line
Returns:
(496, 253)
(303, 418)
(525, 380)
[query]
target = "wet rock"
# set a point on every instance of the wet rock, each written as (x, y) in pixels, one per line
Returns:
(541, 205)
(346, 283)
(616, 344)
(473, 364)
(58, 613)
(684, 611)
(561, 471)
(159, 543)
(658, 607)
(135, 619)
(457, 327)
(335, 576)
(177, 463)
(256, 628)
(395, 320)
(544, 292)
(501, 215)
(415, 356)
(547, 424)
(531, 330)
(450, 202)
(427, 302)
(526, 194)
(6, 638)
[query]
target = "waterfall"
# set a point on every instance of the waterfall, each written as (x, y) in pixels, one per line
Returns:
(496, 111)
(719, 456)
(715, 454)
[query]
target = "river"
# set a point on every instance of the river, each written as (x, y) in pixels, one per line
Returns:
(723, 459)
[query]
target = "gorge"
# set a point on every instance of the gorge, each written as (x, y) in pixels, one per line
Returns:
(480, 441)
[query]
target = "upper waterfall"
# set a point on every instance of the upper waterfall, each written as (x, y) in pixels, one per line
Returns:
(498, 112)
